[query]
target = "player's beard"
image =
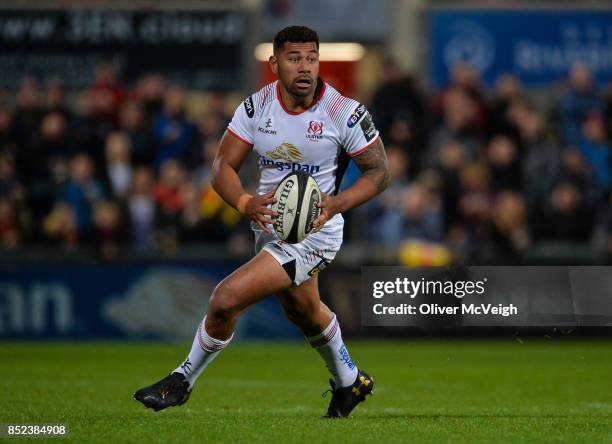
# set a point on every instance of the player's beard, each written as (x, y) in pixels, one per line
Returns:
(297, 92)
(302, 92)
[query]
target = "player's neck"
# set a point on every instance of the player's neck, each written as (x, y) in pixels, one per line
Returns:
(295, 104)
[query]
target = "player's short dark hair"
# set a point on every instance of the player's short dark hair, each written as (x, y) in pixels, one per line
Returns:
(295, 34)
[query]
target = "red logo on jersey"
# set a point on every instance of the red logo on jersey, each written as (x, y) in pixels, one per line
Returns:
(315, 131)
(315, 128)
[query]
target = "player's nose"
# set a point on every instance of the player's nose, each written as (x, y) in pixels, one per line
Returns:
(304, 66)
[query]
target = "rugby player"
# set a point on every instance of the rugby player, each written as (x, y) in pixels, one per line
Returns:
(298, 122)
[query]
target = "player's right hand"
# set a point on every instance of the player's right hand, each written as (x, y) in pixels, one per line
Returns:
(256, 209)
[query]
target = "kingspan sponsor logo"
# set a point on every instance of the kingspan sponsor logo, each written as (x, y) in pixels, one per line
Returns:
(288, 166)
(284, 157)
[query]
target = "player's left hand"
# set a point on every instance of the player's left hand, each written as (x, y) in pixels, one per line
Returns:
(330, 206)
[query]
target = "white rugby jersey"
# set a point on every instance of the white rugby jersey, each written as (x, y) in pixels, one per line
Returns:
(319, 140)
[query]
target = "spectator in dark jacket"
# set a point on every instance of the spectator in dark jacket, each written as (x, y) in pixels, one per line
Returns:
(580, 100)
(175, 136)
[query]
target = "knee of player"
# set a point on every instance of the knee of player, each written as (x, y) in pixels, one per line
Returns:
(300, 311)
(224, 302)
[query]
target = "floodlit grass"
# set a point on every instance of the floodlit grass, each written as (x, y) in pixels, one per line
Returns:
(425, 391)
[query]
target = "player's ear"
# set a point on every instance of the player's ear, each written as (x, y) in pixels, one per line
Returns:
(273, 64)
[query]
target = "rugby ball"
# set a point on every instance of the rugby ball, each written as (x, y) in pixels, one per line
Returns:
(297, 197)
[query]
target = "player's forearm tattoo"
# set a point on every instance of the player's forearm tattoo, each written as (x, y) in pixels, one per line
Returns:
(373, 164)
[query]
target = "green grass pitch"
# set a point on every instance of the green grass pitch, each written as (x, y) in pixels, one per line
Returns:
(426, 391)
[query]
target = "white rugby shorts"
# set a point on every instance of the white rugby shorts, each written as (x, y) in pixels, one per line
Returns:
(307, 258)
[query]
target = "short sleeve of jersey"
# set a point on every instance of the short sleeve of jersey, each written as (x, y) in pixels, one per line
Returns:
(241, 125)
(359, 130)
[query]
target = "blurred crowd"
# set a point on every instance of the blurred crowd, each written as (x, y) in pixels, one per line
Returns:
(113, 168)
(478, 171)
(489, 173)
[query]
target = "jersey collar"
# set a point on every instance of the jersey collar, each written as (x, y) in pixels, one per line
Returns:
(321, 85)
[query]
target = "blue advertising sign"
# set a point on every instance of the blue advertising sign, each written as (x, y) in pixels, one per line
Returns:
(539, 46)
(121, 301)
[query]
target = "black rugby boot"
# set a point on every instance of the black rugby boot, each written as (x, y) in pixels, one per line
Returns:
(345, 399)
(170, 391)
